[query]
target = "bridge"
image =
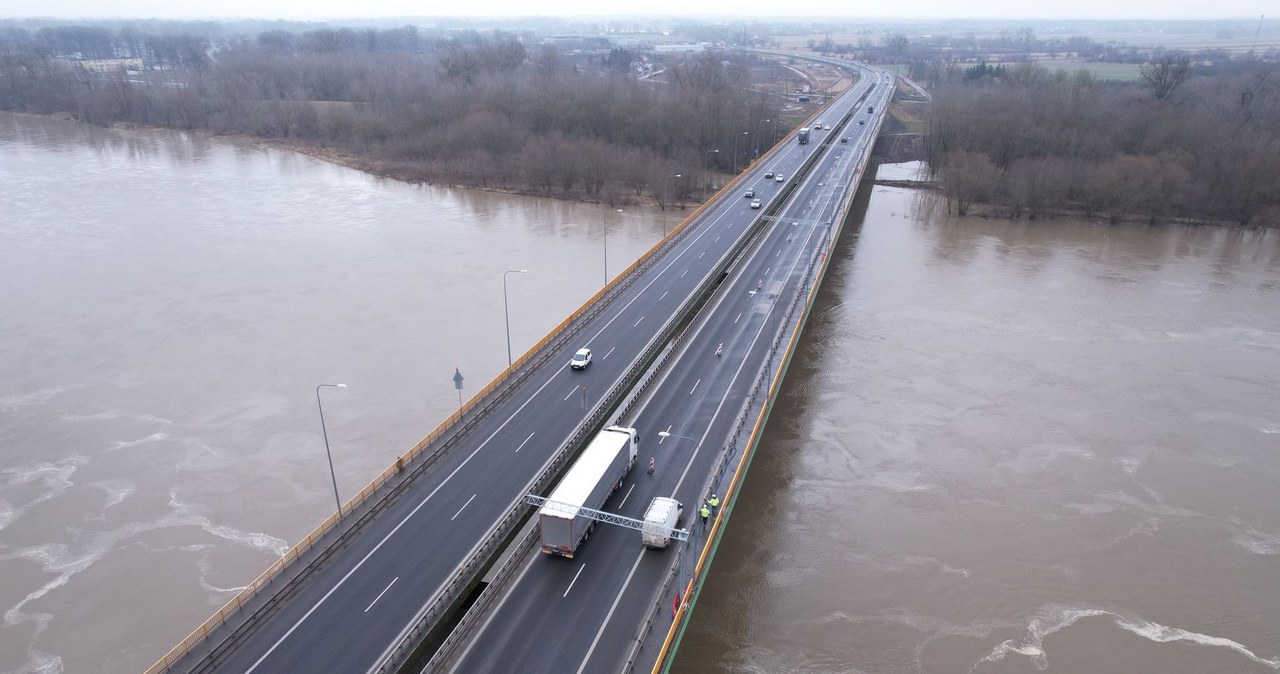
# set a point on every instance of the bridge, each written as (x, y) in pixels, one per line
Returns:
(434, 564)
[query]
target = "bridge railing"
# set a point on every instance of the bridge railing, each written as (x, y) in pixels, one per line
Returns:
(431, 447)
(425, 453)
(763, 393)
(616, 403)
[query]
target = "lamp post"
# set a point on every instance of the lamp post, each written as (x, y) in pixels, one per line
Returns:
(664, 202)
(736, 136)
(604, 239)
(327, 453)
(505, 313)
(669, 434)
(704, 167)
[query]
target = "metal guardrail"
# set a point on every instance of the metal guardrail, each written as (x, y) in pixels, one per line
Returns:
(410, 465)
(396, 656)
(613, 401)
(773, 377)
(425, 453)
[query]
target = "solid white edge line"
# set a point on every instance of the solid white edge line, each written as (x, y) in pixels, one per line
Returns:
(394, 530)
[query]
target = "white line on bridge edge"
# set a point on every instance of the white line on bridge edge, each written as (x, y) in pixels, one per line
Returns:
(695, 386)
(395, 529)
(575, 579)
(526, 441)
(384, 591)
(624, 498)
(464, 507)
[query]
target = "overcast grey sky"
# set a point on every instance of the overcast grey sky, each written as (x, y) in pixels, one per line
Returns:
(910, 9)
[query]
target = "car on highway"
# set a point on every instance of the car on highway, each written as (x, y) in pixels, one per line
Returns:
(751, 192)
(768, 175)
(755, 203)
(861, 122)
(581, 359)
(844, 139)
(780, 178)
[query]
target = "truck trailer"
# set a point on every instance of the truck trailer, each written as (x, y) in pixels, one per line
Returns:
(804, 135)
(598, 472)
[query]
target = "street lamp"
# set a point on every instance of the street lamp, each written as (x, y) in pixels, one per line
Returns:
(669, 434)
(505, 313)
(327, 453)
(704, 166)
(735, 149)
(664, 203)
(604, 239)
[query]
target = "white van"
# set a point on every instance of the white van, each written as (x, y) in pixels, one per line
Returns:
(660, 519)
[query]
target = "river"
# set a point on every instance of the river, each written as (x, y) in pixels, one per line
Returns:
(1011, 446)
(1004, 446)
(168, 305)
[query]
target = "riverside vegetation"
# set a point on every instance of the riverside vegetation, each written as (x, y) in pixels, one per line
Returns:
(447, 107)
(1189, 141)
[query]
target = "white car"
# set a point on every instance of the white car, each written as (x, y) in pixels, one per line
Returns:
(581, 359)
(780, 178)
(755, 203)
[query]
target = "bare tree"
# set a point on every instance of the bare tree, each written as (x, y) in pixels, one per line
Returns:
(968, 178)
(1166, 74)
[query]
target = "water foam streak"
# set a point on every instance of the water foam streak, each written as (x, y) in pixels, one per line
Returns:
(1054, 618)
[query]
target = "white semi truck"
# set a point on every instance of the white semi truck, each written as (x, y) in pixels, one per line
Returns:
(598, 472)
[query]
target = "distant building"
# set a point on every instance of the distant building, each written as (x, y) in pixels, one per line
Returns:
(678, 48)
(105, 65)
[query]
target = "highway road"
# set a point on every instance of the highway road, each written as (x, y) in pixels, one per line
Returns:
(345, 614)
(583, 614)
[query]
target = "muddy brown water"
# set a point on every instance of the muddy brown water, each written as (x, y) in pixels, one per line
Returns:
(1015, 447)
(168, 304)
(1005, 446)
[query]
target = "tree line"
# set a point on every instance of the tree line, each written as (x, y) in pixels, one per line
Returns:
(457, 107)
(1183, 142)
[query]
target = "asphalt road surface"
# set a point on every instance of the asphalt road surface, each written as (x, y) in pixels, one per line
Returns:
(582, 614)
(347, 612)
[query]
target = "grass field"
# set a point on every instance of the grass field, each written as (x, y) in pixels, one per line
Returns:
(1123, 72)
